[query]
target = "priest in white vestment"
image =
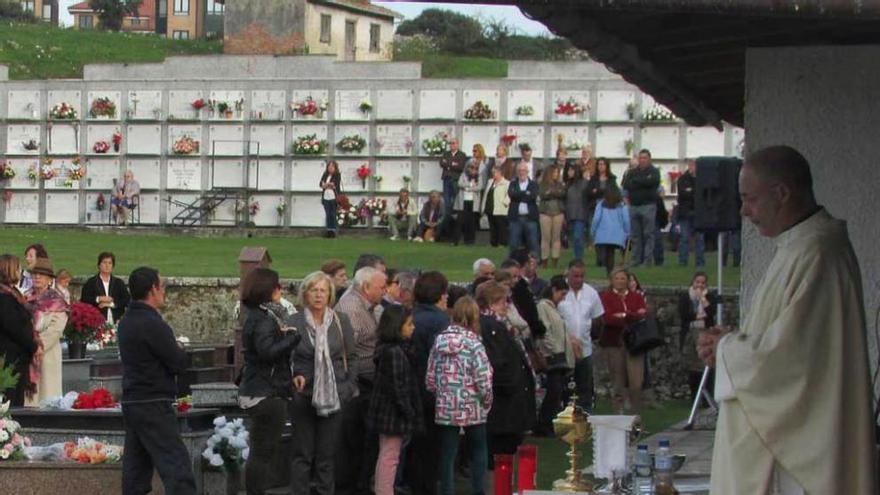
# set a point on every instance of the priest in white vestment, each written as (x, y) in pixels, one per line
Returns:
(793, 383)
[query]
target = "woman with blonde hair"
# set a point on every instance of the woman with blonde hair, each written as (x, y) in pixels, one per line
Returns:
(461, 378)
(322, 382)
(551, 208)
(18, 345)
(49, 312)
(503, 161)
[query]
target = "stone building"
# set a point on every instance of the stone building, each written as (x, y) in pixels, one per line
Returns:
(178, 19)
(45, 10)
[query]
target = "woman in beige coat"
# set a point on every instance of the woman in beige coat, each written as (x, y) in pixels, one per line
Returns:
(50, 313)
(494, 205)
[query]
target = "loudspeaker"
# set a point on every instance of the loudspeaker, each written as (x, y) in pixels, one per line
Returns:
(717, 202)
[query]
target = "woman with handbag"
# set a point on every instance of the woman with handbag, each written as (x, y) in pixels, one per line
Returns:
(623, 309)
(610, 227)
(556, 346)
(322, 382)
(266, 384)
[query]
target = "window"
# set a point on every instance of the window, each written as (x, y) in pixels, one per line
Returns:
(181, 7)
(215, 8)
(180, 35)
(85, 22)
(374, 38)
(325, 28)
(47, 12)
(27, 5)
(163, 9)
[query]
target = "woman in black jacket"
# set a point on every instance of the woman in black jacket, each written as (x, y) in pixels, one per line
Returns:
(697, 309)
(331, 188)
(267, 383)
(514, 410)
(395, 410)
(106, 292)
(18, 346)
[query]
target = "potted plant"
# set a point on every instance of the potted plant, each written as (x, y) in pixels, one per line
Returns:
(86, 324)
(226, 452)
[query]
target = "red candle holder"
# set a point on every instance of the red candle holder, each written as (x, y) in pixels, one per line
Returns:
(503, 474)
(527, 467)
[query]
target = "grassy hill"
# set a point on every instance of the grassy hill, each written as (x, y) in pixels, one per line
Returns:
(39, 51)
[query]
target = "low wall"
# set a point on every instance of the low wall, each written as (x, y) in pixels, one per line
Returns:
(202, 309)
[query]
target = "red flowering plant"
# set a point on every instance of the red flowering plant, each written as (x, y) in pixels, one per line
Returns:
(86, 323)
(117, 141)
(508, 139)
(364, 173)
(100, 202)
(184, 403)
(199, 104)
(100, 398)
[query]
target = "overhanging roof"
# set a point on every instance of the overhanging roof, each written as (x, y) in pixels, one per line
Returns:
(690, 54)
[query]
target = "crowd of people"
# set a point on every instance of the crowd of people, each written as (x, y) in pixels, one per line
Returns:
(543, 207)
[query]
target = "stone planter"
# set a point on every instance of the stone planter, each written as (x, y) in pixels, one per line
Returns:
(50, 478)
(216, 482)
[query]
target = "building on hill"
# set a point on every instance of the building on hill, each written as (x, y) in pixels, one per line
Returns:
(351, 30)
(179, 19)
(45, 10)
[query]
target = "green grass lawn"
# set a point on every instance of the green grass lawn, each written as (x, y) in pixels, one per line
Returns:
(187, 256)
(39, 51)
(459, 67)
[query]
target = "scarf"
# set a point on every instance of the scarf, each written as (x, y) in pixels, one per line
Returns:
(325, 397)
(50, 301)
(699, 303)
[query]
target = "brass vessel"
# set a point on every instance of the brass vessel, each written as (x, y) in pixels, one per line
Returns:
(571, 426)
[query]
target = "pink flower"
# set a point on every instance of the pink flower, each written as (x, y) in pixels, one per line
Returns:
(16, 440)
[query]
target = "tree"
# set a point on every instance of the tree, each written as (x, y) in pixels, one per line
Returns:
(453, 32)
(111, 12)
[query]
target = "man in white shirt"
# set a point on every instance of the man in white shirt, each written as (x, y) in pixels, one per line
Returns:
(582, 311)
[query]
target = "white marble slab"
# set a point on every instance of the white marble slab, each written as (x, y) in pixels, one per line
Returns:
(318, 95)
(62, 208)
(19, 134)
(23, 207)
(437, 104)
(533, 135)
(269, 177)
(176, 132)
(430, 175)
(267, 105)
(704, 141)
(144, 139)
(101, 172)
(305, 175)
(21, 167)
(431, 131)
(491, 97)
(101, 132)
(394, 140)
(574, 138)
(71, 97)
(146, 171)
(612, 105)
(661, 141)
(227, 173)
(348, 104)
(23, 105)
(114, 96)
(63, 138)
(150, 206)
(393, 173)
(180, 105)
(342, 131)
(144, 104)
(581, 97)
(268, 215)
(172, 209)
(184, 174)
(306, 211)
(486, 135)
(230, 97)
(522, 98)
(225, 140)
(302, 130)
(394, 104)
(351, 183)
(270, 137)
(610, 141)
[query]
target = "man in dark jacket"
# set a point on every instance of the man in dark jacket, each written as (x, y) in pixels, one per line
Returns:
(686, 186)
(452, 162)
(641, 184)
(523, 212)
(150, 360)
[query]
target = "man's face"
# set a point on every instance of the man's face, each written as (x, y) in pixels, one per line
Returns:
(106, 266)
(375, 289)
(644, 160)
(486, 271)
(576, 278)
(435, 198)
(761, 202)
(692, 167)
(515, 272)
(527, 155)
(453, 145)
(522, 172)
(159, 293)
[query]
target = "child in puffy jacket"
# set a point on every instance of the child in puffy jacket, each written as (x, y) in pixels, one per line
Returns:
(460, 376)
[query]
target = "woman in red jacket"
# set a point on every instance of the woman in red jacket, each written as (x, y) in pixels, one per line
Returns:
(622, 307)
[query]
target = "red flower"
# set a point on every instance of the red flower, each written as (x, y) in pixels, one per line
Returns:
(99, 398)
(199, 104)
(364, 171)
(84, 323)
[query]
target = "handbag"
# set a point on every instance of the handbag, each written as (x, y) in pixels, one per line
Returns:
(642, 336)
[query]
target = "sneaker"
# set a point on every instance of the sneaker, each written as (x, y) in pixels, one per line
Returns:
(393, 238)
(418, 239)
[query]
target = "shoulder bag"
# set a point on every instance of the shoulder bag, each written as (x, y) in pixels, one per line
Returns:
(641, 336)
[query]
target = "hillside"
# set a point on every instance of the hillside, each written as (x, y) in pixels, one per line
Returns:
(39, 51)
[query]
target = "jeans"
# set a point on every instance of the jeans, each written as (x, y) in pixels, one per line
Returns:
(466, 224)
(732, 245)
(605, 255)
(479, 450)
(583, 381)
(577, 236)
(267, 422)
(450, 190)
(643, 221)
(408, 222)
(330, 214)
(152, 440)
(314, 448)
(523, 226)
(686, 229)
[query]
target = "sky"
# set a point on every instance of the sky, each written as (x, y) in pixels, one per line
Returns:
(510, 15)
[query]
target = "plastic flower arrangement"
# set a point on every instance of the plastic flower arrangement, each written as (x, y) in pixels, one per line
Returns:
(63, 111)
(6, 170)
(228, 447)
(117, 141)
(309, 107)
(363, 173)
(184, 404)
(478, 111)
(658, 113)
(89, 451)
(524, 111)
(31, 145)
(199, 104)
(281, 207)
(352, 144)
(185, 146)
(436, 145)
(570, 107)
(508, 139)
(101, 147)
(46, 171)
(100, 398)
(375, 206)
(365, 106)
(85, 323)
(309, 145)
(100, 202)
(77, 171)
(33, 173)
(12, 442)
(345, 212)
(103, 107)
(254, 208)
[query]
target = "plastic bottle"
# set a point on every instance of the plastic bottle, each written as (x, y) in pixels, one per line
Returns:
(664, 483)
(642, 466)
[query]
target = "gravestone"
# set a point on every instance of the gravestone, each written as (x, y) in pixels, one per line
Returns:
(342, 131)
(24, 105)
(71, 97)
(184, 175)
(430, 176)
(306, 211)
(174, 209)
(612, 105)
(319, 96)
(394, 104)
(393, 172)
(149, 207)
(19, 135)
(268, 215)
(180, 105)
(525, 98)
(704, 141)
(490, 97)
(267, 105)
(21, 165)
(23, 207)
(533, 135)
(146, 171)
(301, 130)
(437, 104)
(611, 140)
(96, 216)
(574, 138)
(144, 139)
(432, 131)
(144, 104)
(662, 141)
(177, 132)
(580, 97)
(227, 173)
(101, 172)
(115, 98)
(233, 100)
(63, 138)
(270, 137)
(62, 208)
(394, 140)
(98, 133)
(350, 180)
(226, 140)
(488, 136)
(348, 104)
(271, 175)
(306, 173)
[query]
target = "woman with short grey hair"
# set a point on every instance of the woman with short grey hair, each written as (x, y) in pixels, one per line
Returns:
(322, 382)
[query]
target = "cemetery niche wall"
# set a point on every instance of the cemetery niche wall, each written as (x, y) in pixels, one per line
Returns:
(185, 130)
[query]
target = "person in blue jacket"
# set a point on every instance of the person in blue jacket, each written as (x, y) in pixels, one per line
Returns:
(610, 228)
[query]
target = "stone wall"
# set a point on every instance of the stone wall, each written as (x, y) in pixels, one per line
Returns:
(264, 26)
(202, 309)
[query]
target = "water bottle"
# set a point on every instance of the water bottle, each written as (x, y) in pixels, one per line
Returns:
(664, 483)
(642, 464)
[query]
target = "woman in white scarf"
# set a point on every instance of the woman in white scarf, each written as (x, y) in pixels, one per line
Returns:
(323, 384)
(697, 309)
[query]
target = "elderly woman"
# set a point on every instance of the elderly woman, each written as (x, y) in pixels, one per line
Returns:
(49, 312)
(18, 345)
(467, 203)
(323, 383)
(106, 292)
(267, 383)
(513, 383)
(494, 204)
(125, 197)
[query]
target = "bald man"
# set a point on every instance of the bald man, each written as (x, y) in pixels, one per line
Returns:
(793, 382)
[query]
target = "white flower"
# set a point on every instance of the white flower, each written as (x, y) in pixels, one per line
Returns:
(4, 407)
(216, 460)
(4, 436)
(245, 453)
(4, 454)
(238, 423)
(238, 443)
(221, 421)
(208, 453)
(226, 432)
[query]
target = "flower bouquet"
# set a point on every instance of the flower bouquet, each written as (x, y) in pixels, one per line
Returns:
(185, 146)
(309, 145)
(63, 111)
(309, 107)
(101, 147)
(103, 107)
(6, 170)
(228, 447)
(184, 404)
(628, 146)
(345, 212)
(30, 145)
(199, 104)
(658, 113)
(631, 110)
(100, 202)
(352, 144)
(117, 141)
(364, 173)
(106, 334)
(33, 173)
(46, 171)
(524, 111)
(89, 451)
(376, 206)
(436, 145)
(478, 111)
(573, 144)
(365, 106)
(281, 208)
(12, 443)
(77, 172)
(254, 208)
(85, 323)
(100, 398)
(508, 139)
(570, 107)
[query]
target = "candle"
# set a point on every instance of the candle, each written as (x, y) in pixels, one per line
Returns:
(527, 467)
(503, 474)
